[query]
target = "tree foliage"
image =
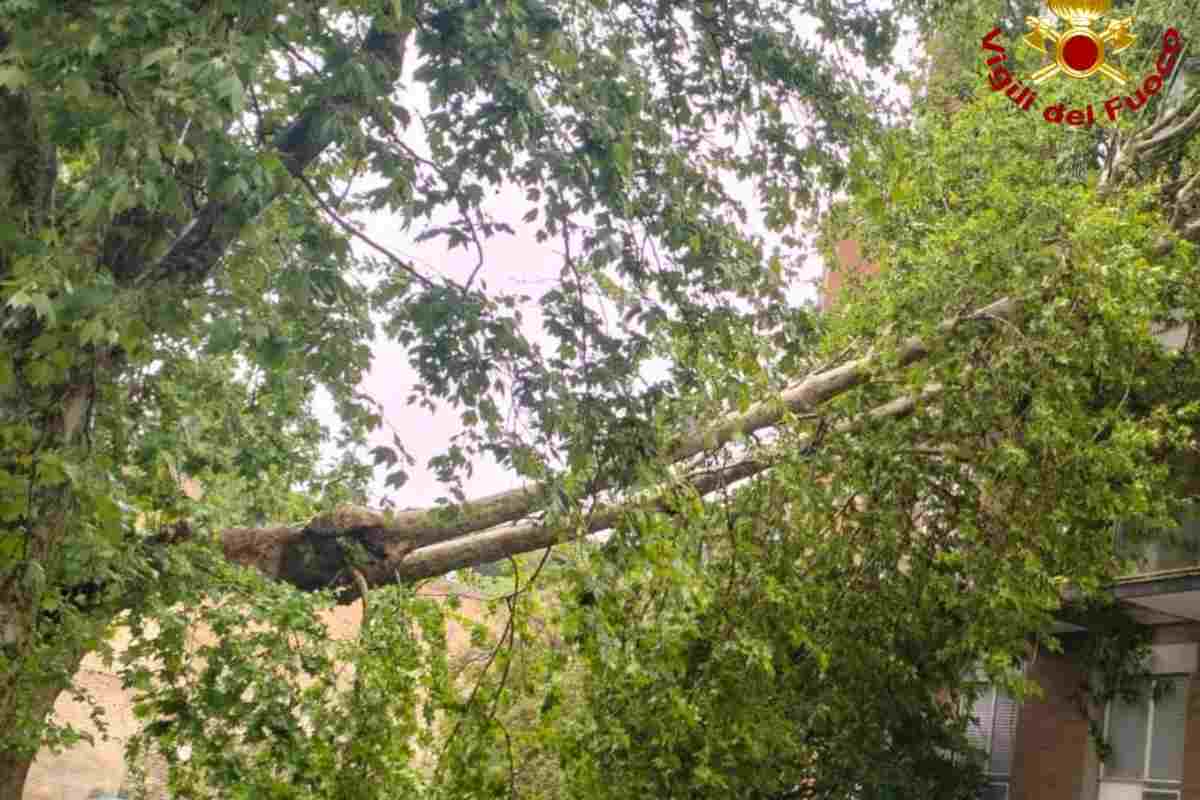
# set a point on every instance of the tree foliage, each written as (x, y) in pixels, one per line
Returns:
(801, 607)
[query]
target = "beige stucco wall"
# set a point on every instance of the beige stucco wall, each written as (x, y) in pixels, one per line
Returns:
(90, 769)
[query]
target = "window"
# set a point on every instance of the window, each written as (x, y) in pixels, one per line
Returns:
(994, 731)
(1164, 550)
(1146, 737)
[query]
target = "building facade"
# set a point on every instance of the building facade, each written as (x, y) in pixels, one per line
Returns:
(1044, 749)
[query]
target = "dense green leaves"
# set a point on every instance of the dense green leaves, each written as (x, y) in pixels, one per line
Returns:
(179, 281)
(270, 706)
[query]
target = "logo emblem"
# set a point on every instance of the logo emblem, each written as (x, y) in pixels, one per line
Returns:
(1079, 51)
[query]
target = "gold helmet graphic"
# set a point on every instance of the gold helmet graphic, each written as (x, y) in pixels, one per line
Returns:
(1079, 51)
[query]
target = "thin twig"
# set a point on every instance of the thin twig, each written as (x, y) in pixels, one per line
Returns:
(506, 635)
(362, 237)
(512, 762)
(361, 583)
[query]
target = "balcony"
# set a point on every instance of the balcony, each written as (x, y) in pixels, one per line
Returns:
(1164, 584)
(1170, 551)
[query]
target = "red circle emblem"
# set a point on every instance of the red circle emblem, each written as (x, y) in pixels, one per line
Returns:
(1080, 52)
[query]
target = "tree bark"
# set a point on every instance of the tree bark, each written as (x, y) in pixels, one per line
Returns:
(14, 771)
(429, 526)
(28, 690)
(311, 557)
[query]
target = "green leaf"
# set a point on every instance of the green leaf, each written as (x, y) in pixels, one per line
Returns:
(76, 88)
(224, 336)
(168, 53)
(13, 77)
(233, 186)
(230, 88)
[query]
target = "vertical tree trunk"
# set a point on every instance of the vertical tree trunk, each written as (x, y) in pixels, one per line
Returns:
(14, 771)
(37, 704)
(32, 676)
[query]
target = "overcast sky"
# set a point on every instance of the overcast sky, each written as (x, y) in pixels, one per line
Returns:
(513, 262)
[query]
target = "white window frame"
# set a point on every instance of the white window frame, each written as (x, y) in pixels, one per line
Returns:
(1158, 786)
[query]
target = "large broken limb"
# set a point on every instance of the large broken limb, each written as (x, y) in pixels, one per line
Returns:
(1131, 156)
(312, 556)
(430, 526)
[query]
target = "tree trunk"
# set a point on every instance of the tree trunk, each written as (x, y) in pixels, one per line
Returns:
(36, 665)
(34, 704)
(14, 771)
(311, 557)
(32, 676)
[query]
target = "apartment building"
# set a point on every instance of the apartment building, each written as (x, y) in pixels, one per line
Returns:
(1043, 749)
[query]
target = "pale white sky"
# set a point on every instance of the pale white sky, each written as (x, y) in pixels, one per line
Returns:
(515, 263)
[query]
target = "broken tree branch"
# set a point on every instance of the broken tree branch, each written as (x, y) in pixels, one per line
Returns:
(430, 526)
(313, 561)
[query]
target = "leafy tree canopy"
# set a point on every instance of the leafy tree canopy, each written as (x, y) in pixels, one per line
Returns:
(178, 281)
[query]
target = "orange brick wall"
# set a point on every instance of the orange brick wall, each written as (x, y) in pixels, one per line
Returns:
(1052, 748)
(1054, 758)
(849, 262)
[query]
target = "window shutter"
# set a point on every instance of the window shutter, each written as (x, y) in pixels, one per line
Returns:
(995, 730)
(1004, 734)
(979, 732)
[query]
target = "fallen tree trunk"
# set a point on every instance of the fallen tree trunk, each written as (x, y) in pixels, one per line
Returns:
(426, 527)
(312, 556)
